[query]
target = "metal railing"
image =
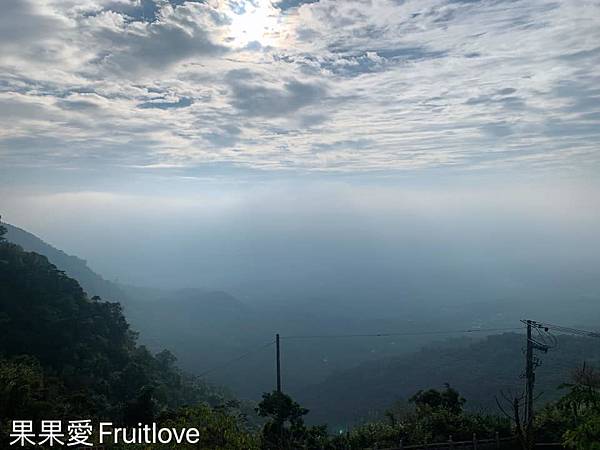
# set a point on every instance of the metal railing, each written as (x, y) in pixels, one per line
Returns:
(496, 442)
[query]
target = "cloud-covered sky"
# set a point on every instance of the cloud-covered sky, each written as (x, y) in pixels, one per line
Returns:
(216, 142)
(183, 88)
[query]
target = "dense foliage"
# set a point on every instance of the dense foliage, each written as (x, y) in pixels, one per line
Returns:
(76, 268)
(224, 427)
(575, 418)
(64, 355)
(437, 415)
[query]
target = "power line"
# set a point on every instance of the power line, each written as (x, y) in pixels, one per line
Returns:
(545, 341)
(568, 330)
(338, 336)
(408, 333)
(237, 358)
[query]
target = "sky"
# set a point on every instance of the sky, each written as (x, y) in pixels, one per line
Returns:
(256, 139)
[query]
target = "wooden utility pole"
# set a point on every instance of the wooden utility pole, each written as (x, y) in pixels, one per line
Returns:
(278, 363)
(530, 377)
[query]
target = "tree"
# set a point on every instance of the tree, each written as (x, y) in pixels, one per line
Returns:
(575, 418)
(583, 404)
(3, 230)
(448, 399)
(515, 411)
(82, 357)
(438, 414)
(586, 436)
(286, 425)
(142, 409)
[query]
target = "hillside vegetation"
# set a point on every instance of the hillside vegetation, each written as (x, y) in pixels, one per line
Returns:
(479, 369)
(65, 355)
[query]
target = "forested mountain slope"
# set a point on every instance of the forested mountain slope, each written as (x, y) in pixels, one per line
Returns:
(205, 329)
(63, 353)
(479, 370)
(188, 321)
(73, 266)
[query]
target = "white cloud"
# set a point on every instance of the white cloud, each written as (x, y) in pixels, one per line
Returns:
(424, 83)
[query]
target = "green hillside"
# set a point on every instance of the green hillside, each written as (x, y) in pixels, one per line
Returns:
(74, 267)
(479, 370)
(64, 354)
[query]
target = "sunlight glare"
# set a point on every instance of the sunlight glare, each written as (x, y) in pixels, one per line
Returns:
(257, 21)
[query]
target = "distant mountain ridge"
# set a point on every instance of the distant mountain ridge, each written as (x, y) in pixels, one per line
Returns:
(479, 370)
(162, 317)
(63, 354)
(343, 380)
(94, 284)
(151, 311)
(73, 266)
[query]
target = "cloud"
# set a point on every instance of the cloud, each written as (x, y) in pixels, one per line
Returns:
(252, 98)
(343, 145)
(183, 102)
(288, 4)
(224, 136)
(173, 34)
(26, 22)
(313, 86)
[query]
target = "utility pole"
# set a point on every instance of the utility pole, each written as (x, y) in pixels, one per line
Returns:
(532, 362)
(530, 377)
(278, 363)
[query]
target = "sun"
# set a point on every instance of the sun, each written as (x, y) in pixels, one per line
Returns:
(255, 21)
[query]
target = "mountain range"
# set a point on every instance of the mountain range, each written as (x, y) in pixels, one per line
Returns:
(341, 380)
